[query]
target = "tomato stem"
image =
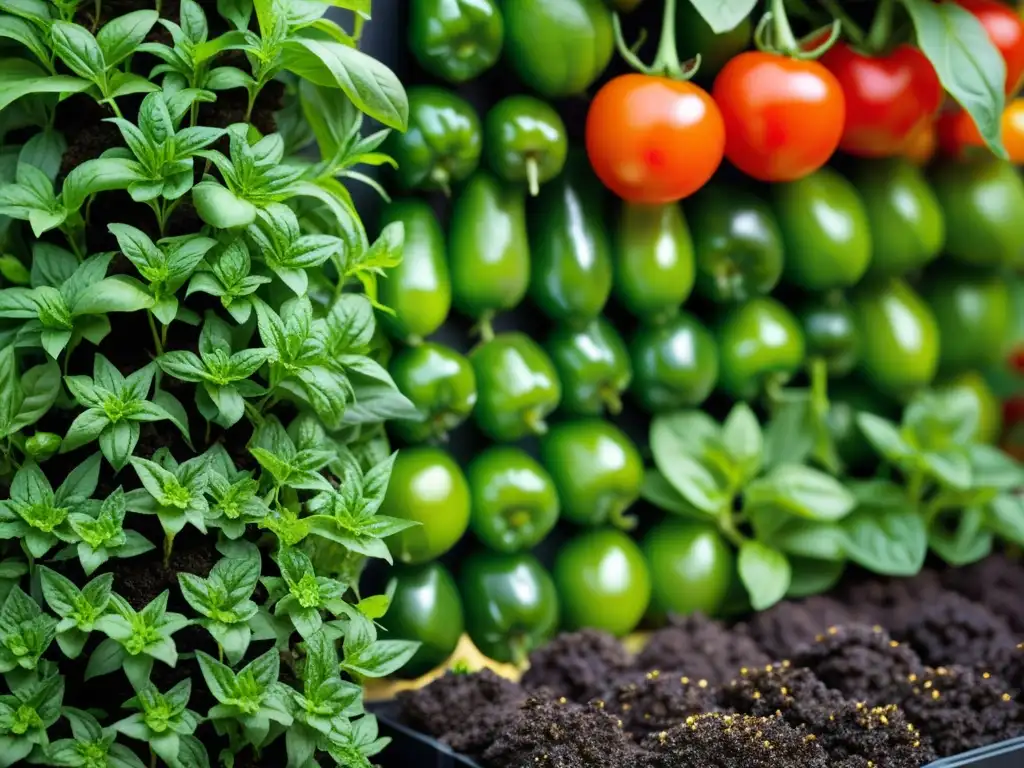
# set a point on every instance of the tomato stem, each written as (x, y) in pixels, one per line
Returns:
(784, 40)
(880, 33)
(852, 30)
(666, 61)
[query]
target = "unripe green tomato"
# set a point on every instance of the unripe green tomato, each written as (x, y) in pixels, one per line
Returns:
(691, 567)
(675, 365)
(525, 141)
(425, 607)
(440, 383)
(760, 345)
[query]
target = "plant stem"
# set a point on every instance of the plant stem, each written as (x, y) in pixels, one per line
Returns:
(206, 437)
(220, 653)
(728, 528)
(156, 336)
(850, 27)
(915, 487)
(666, 61)
(785, 40)
(168, 548)
(881, 28)
(152, 758)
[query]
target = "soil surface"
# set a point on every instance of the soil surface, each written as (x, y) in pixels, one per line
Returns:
(845, 691)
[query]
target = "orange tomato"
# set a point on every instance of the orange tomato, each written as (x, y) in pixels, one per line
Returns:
(958, 134)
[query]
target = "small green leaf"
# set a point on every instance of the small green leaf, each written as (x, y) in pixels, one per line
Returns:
(801, 491)
(962, 541)
(741, 435)
(765, 574)
(77, 48)
(889, 541)
(19, 77)
(119, 37)
(724, 15)
(221, 208)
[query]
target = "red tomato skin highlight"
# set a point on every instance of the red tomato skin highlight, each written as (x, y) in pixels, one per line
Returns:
(654, 140)
(887, 98)
(1006, 31)
(783, 117)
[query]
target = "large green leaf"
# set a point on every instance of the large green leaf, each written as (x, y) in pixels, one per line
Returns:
(19, 77)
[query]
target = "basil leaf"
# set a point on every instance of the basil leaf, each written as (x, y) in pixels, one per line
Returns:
(658, 491)
(19, 77)
(741, 435)
(967, 63)
(723, 15)
(1006, 517)
(100, 175)
(967, 542)
(884, 436)
(77, 48)
(806, 538)
(801, 491)
(892, 542)
(765, 573)
(27, 34)
(121, 36)
(813, 577)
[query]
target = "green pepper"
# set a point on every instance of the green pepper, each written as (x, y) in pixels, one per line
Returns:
(990, 410)
(593, 366)
(906, 221)
(456, 40)
(847, 397)
(597, 470)
(511, 604)
(825, 230)
(489, 252)
(558, 47)
(899, 337)
(830, 331)
(695, 36)
(514, 501)
(428, 487)
(603, 582)
(440, 383)
(425, 607)
(442, 144)
(973, 310)
(654, 260)
(737, 243)
(571, 251)
(983, 202)
(517, 384)
(419, 289)
(691, 567)
(760, 347)
(675, 365)
(525, 141)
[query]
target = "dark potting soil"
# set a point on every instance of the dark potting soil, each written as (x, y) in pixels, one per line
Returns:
(997, 582)
(577, 665)
(849, 696)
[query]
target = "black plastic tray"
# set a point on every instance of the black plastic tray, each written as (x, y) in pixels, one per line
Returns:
(410, 748)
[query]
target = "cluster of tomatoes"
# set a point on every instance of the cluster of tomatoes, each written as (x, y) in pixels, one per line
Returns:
(779, 118)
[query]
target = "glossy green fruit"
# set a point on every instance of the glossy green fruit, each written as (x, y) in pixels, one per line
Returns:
(899, 337)
(518, 387)
(830, 330)
(419, 289)
(511, 604)
(428, 487)
(425, 607)
(602, 582)
(456, 40)
(983, 202)
(760, 346)
(440, 383)
(653, 260)
(973, 310)
(597, 470)
(443, 143)
(525, 141)
(907, 225)
(558, 47)
(675, 365)
(694, 36)
(515, 504)
(825, 229)
(737, 243)
(488, 247)
(570, 248)
(691, 567)
(593, 366)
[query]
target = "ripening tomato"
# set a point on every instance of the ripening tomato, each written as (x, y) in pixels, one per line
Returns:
(922, 144)
(783, 117)
(887, 97)
(654, 139)
(958, 132)
(1006, 31)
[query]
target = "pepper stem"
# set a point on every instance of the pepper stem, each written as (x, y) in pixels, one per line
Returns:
(533, 175)
(611, 399)
(483, 327)
(619, 519)
(517, 517)
(442, 179)
(535, 422)
(666, 61)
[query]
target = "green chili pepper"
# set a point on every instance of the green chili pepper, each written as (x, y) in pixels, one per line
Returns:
(675, 365)
(737, 242)
(593, 366)
(442, 144)
(571, 271)
(654, 260)
(511, 604)
(518, 387)
(830, 330)
(489, 252)
(558, 47)
(440, 383)
(515, 504)
(760, 347)
(525, 141)
(456, 40)
(419, 289)
(425, 607)
(597, 470)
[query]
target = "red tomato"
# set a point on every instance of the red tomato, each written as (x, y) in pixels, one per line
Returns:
(958, 133)
(653, 139)
(921, 146)
(1006, 31)
(887, 97)
(783, 117)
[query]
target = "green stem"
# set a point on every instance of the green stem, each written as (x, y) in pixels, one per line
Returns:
(220, 653)
(252, 412)
(156, 335)
(915, 487)
(483, 328)
(850, 27)
(532, 176)
(727, 526)
(881, 29)
(206, 437)
(168, 549)
(785, 40)
(666, 60)
(163, 335)
(97, 12)
(117, 109)
(152, 758)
